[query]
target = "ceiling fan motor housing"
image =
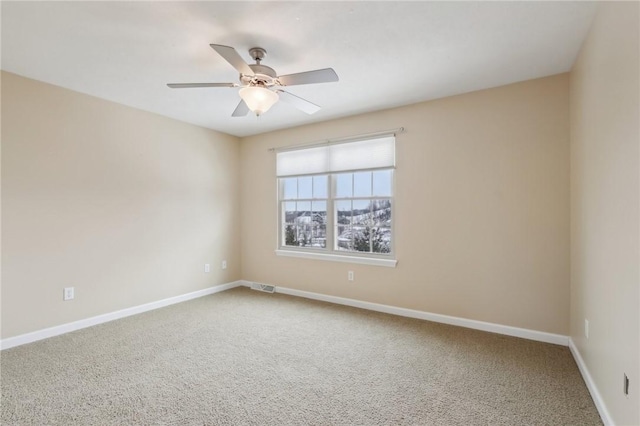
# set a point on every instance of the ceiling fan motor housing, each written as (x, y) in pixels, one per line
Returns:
(263, 76)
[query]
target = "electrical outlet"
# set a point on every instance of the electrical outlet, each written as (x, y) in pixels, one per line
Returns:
(625, 385)
(68, 293)
(586, 328)
(224, 264)
(207, 267)
(350, 275)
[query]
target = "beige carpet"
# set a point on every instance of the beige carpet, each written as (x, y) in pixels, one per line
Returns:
(248, 358)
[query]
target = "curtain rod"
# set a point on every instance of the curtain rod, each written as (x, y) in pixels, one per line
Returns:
(338, 140)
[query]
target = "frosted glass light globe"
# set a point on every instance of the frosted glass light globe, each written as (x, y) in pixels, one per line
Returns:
(258, 99)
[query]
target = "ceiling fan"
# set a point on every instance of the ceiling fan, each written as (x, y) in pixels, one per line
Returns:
(260, 86)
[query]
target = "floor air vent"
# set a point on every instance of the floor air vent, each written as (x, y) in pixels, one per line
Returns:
(263, 287)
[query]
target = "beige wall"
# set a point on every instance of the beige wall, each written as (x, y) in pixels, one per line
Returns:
(605, 213)
(481, 216)
(124, 205)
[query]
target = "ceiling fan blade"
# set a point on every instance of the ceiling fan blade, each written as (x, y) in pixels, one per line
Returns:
(231, 56)
(192, 85)
(326, 75)
(298, 102)
(241, 110)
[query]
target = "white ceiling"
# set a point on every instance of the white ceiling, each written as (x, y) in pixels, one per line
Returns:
(386, 53)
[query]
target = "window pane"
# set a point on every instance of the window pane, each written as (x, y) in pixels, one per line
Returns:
(290, 188)
(290, 235)
(343, 212)
(290, 232)
(304, 187)
(382, 183)
(319, 231)
(319, 239)
(319, 223)
(344, 239)
(304, 207)
(381, 240)
(362, 184)
(289, 211)
(381, 212)
(320, 209)
(344, 185)
(361, 212)
(320, 186)
(361, 239)
(304, 231)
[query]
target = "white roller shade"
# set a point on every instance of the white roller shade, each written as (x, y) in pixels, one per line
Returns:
(302, 162)
(365, 154)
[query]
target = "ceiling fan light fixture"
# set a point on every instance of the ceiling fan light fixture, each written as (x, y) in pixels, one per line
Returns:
(258, 99)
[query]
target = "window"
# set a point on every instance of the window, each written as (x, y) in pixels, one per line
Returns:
(337, 199)
(304, 211)
(362, 205)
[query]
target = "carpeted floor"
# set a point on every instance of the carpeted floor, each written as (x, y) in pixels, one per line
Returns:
(248, 358)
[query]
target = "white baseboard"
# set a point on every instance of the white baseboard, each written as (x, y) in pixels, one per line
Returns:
(524, 333)
(88, 322)
(593, 390)
(410, 313)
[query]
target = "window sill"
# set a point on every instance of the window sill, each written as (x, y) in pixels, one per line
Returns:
(389, 263)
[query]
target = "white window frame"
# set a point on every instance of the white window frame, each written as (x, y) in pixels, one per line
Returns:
(330, 252)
